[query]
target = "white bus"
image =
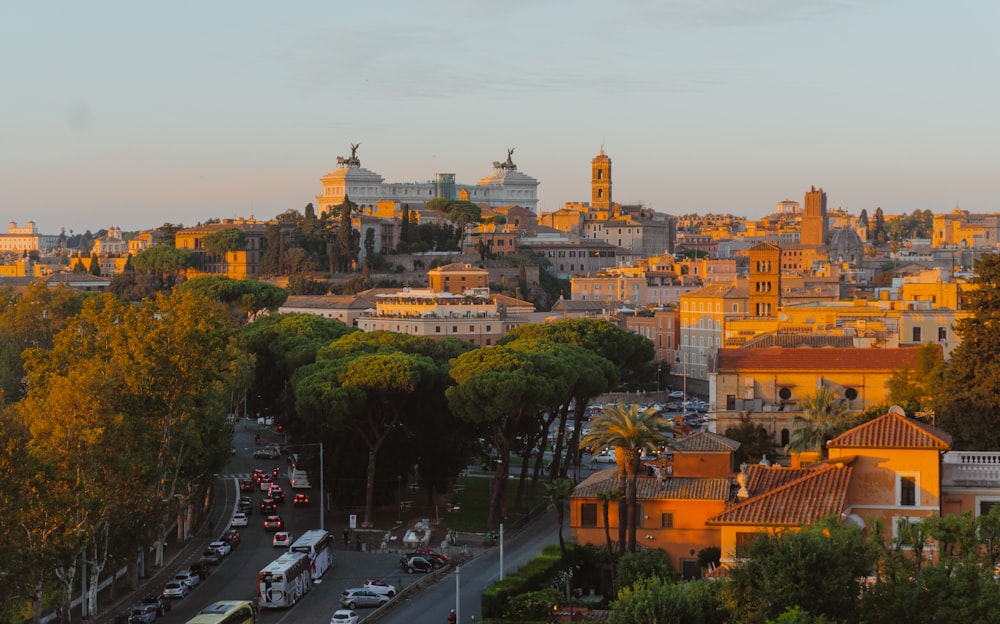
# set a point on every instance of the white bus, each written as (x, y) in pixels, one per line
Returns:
(298, 477)
(318, 545)
(284, 581)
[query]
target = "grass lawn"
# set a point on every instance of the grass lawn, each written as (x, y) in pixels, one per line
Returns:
(475, 502)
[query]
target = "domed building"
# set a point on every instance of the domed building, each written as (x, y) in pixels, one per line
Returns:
(506, 186)
(846, 246)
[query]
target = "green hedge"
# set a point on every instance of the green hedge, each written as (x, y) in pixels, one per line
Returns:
(534, 575)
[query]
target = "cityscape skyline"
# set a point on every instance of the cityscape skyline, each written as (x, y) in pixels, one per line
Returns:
(131, 116)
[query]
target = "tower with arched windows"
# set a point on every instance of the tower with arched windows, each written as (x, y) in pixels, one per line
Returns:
(600, 181)
(765, 280)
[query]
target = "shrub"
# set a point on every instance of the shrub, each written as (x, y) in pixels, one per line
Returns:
(532, 605)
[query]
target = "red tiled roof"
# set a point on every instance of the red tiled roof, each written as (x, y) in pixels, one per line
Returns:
(765, 478)
(816, 359)
(805, 500)
(706, 442)
(893, 430)
(650, 488)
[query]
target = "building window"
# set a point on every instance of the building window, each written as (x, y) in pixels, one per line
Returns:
(907, 490)
(916, 334)
(454, 329)
(942, 334)
(743, 541)
(489, 328)
(437, 329)
(472, 329)
(588, 515)
(667, 520)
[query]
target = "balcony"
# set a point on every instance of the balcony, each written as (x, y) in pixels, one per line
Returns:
(970, 469)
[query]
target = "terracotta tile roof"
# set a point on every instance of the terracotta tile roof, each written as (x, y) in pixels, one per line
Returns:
(650, 488)
(765, 478)
(816, 359)
(893, 430)
(705, 442)
(328, 301)
(820, 493)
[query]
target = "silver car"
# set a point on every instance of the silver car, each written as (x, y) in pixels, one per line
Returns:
(360, 597)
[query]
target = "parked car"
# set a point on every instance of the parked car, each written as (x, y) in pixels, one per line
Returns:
(415, 563)
(268, 505)
(437, 559)
(143, 613)
(604, 457)
(175, 589)
(344, 616)
(246, 485)
(201, 570)
(223, 548)
(676, 394)
(360, 597)
(189, 578)
(231, 536)
(240, 519)
(210, 557)
(282, 539)
(380, 587)
(273, 523)
(300, 500)
(162, 606)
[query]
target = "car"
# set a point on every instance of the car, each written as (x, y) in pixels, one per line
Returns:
(268, 505)
(175, 589)
(276, 493)
(257, 472)
(240, 519)
(361, 597)
(380, 587)
(266, 453)
(273, 523)
(246, 485)
(275, 472)
(265, 483)
(415, 563)
(210, 557)
(676, 394)
(245, 505)
(281, 538)
(300, 500)
(145, 613)
(200, 570)
(189, 578)
(162, 606)
(231, 536)
(344, 616)
(437, 559)
(223, 548)
(604, 457)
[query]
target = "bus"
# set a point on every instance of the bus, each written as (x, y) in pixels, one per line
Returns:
(318, 545)
(284, 581)
(227, 612)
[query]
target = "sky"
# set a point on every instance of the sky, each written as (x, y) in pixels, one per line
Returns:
(135, 114)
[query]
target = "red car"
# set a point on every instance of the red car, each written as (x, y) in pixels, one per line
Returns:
(436, 558)
(246, 485)
(300, 500)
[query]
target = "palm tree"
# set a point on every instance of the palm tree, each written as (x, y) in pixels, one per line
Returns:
(629, 431)
(826, 418)
(606, 496)
(558, 492)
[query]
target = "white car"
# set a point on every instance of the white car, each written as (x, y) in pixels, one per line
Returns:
(282, 538)
(380, 587)
(240, 520)
(604, 457)
(223, 548)
(344, 616)
(676, 394)
(188, 578)
(176, 589)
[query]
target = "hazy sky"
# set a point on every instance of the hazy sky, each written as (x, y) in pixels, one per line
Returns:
(133, 114)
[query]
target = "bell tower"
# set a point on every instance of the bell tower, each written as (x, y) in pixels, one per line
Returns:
(600, 181)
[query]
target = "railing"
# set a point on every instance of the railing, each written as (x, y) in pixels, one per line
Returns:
(970, 468)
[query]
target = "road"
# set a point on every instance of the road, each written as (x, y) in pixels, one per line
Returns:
(235, 578)
(432, 604)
